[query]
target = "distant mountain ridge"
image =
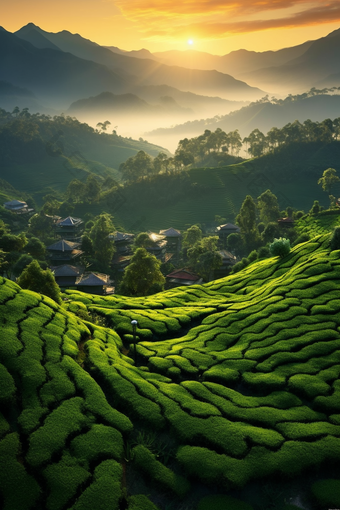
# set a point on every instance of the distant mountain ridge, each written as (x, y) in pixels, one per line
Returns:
(135, 71)
(263, 115)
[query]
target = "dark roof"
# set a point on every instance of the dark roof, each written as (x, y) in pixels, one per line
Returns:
(15, 203)
(286, 220)
(121, 236)
(170, 232)
(69, 222)
(63, 245)
(93, 279)
(228, 226)
(183, 274)
(66, 270)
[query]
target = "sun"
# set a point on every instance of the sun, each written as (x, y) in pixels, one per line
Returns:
(190, 42)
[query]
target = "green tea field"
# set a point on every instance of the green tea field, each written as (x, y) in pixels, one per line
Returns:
(231, 401)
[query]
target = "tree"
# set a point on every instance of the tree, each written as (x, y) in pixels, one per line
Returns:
(268, 206)
(39, 280)
(21, 263)
(246, 220)
(315, 207)
(137, 166)
(92, 189)
(143, 240)
(191, 236)
(271, 231)
(335, 239)
(36, 248)
(143, 275)
(328, 179)
(257, 143)
(11, 242)
(280, 247)
(41, 225)
(76, 190)
(103, 247)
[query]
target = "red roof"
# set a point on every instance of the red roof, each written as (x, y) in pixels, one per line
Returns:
(183, 274)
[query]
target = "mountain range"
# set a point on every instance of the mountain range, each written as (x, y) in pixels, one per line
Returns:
(54, 72)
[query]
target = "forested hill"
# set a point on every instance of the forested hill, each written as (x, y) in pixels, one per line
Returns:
(315, 105)
(39, 152)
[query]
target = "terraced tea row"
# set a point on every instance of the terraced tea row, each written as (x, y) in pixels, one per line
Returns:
(239, 377)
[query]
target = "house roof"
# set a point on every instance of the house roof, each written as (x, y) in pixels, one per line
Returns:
(225, 254)
(121, 236)
(170, 232)
(69, 222)
(286, 220)
(15, 203)
(66, 270)
(228, 226)
(156, 237)
(63, 245)
(93, 279)
(183, 274)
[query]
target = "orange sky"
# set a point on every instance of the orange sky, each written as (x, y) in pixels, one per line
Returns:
(215, 26)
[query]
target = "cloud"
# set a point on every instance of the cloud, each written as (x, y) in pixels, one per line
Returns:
(220, 18)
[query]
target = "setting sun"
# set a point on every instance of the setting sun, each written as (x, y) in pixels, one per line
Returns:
(190, 42)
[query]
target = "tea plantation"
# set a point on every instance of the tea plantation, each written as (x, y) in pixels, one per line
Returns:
(235, 384)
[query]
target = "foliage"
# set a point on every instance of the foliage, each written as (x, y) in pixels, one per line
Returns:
(328, 179)
(335, 239)
(142, 274)
(268, 206)
(39, 280)
(280, 247)
(103, 247)
(191, 236)
(246, 219)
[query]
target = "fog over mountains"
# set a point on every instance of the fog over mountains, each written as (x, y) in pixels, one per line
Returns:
(55, 72)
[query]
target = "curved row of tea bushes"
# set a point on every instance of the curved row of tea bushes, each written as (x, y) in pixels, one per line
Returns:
(60, 440)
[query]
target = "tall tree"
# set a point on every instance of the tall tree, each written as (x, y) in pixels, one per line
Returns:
(103, 247)
(328, 179)
(39, 280)
(246, 220)
(268, 206)
(143, 275)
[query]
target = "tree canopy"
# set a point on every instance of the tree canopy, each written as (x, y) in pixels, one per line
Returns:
(39, 280)
(143, 275)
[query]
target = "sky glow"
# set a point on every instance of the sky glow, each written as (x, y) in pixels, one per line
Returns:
(216, 26)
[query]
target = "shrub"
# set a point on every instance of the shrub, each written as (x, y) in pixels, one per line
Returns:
(141, 502)
(335, 239)
(160, 474)
(280, 247)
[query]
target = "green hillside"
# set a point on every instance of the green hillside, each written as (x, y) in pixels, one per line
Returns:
(38, 153)
(197, 195)
(235, 381)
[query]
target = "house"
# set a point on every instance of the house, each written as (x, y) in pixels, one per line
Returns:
(17, 207)
(173, 238)
(66, 275)
(69, 228)
(157, 246)
(286, 222)
(228, 261)
(181, 277)
(95, 283)
(64, 252)
(122, 242)
(223, 231)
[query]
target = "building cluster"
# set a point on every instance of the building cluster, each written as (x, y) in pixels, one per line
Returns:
(65, 256)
